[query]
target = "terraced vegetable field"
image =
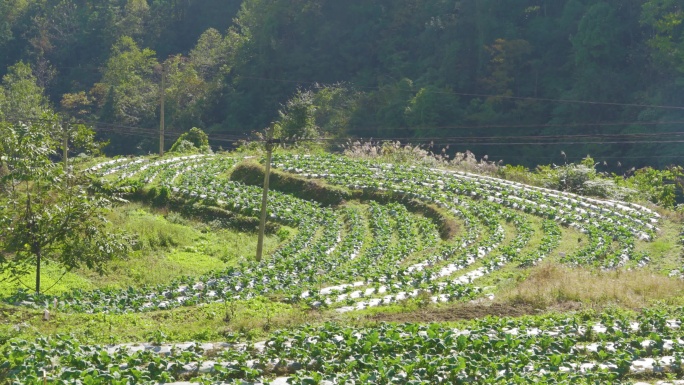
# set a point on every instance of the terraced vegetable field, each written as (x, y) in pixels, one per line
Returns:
(372, 253)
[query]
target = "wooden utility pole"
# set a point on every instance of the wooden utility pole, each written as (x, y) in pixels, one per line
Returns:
(264, 198)
(65, 145)
(161, 115)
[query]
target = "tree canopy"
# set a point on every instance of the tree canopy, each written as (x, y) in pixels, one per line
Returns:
(399, 68)
(48, 213)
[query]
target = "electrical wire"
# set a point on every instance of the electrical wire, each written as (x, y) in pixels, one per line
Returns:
(536, 137)
(449, 143)
(479, 95)
(519, 126)
(531, 140)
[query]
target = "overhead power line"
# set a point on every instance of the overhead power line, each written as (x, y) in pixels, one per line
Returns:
(480, 95)
(446, 142)
(469, 139)
(124, 129)
(516, 126)
(596, 158)
(517, 140)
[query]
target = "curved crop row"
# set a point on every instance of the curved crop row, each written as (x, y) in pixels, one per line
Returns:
(609, 348)
(400, 257)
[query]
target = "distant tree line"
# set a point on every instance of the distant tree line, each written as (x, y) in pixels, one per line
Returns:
(365, 68)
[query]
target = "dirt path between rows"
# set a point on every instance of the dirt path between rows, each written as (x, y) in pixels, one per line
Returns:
(470, 311)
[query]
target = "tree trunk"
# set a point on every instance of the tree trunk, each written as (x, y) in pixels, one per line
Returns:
(38, 272)
(264, 201)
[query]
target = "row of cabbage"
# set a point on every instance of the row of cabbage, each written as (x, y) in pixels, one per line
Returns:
(382, 264)
(294, 269)
(607, 348)
(612, 227)
(370, 258)
(146, 169)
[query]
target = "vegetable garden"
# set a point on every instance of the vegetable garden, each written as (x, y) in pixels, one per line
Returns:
(369, 253)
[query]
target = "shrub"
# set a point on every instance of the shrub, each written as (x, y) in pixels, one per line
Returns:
(194, 140)
(658, 186)
(283, 234)
(162, 197)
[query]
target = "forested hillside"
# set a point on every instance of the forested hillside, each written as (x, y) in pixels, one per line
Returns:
(513, 74)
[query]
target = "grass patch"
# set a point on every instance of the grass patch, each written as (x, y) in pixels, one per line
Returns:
(151, 230)
(53, 280)
(552, 284)
(570, 242)
(665, 252)
(167, 247)
(248, 319)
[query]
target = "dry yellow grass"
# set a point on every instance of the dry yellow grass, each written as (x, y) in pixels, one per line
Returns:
(554, 285)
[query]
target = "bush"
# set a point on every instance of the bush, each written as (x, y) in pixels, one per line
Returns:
(283, 234)
(162, 198)
(184, 146)
(194, 140)
(657, 186)
(151, 194)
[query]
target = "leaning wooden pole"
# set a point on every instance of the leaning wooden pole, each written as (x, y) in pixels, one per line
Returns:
(264, 200)
(161, 112)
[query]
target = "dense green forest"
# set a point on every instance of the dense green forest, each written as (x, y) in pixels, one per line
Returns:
(510, 76)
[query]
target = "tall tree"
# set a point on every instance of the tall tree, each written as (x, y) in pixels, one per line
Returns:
(665, 20)
(22, 97)
(297, 118)
(48, 214)
(129, 82)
